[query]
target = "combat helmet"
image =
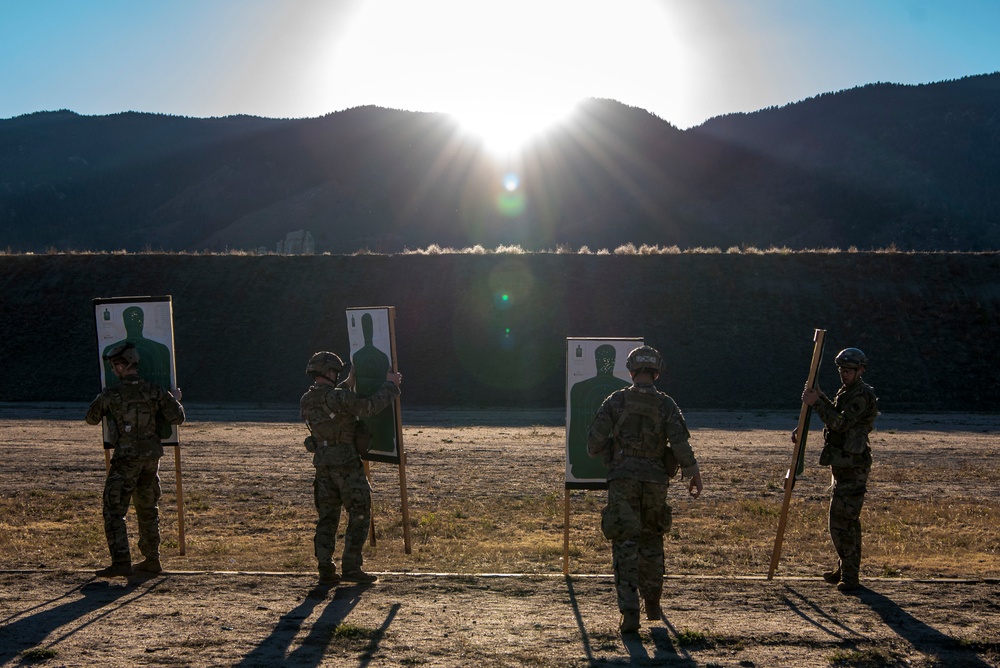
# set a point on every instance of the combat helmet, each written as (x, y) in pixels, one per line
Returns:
(126, 351)
(645, 357)
(324, 363)
(851, 358)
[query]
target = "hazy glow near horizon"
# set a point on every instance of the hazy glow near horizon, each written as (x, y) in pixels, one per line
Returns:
(507, 69)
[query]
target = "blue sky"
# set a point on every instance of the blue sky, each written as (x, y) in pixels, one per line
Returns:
(511, 63)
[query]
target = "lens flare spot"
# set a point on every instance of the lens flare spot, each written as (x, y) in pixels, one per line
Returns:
(501, 300)
(507, 340)
(510, 204)
(512, 277)
(511, 182)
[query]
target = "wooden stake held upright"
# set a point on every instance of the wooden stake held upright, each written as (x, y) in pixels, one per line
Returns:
(805, 413)
(404, 502)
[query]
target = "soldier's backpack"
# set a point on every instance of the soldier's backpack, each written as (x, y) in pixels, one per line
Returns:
(135, 413)
(639, 429)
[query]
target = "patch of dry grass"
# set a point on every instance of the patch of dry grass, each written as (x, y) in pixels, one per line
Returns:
(478, 503)
(43, 528)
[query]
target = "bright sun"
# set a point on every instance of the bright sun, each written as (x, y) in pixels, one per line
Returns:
(507, 71)
(505, 127)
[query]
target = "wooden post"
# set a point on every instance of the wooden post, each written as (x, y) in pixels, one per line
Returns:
(404, 501)
(566, 534)
(805, 413)
(371, 523)
(404, 504)
(181, 546)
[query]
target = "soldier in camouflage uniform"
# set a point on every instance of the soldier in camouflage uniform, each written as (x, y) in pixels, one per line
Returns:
(849, 418)
(331, 411)
(136, 411)
(641, 434)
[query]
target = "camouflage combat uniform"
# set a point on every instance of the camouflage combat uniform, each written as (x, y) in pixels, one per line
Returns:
(332, 415)
(849, 418)
(631, 431)
(132, 408)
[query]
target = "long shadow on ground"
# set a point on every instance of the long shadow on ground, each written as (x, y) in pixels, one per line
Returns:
(52, 622)
(274, 650)
(926, 639)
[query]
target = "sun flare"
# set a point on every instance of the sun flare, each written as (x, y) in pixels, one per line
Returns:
(505, 128)
(508, 71)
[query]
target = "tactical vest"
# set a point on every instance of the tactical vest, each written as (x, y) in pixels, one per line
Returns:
(133, 410)
(639, 429)
(331, 427)
(855, 440)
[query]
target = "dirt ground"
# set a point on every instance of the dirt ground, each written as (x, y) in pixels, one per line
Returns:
(221, 609)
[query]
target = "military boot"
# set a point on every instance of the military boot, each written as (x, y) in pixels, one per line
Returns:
(653, 610)
(850, 581)
(116, 569)
(358, 575)
(833, 577)
(850, 577)
(328, 575)
(630, 622)
(149, 565)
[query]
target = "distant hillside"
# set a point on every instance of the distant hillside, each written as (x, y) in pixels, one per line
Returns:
(876, 166)
(736, 329)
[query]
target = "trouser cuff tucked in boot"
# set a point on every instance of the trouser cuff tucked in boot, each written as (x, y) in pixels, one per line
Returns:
(328, 574)
(653, 610)
(630, 621)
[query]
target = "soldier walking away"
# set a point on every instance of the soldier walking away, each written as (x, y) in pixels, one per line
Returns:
(848, 420)
(641, 434)
(337, 437)
(138, 413)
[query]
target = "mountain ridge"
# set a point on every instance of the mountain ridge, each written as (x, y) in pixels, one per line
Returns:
(882, 165)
